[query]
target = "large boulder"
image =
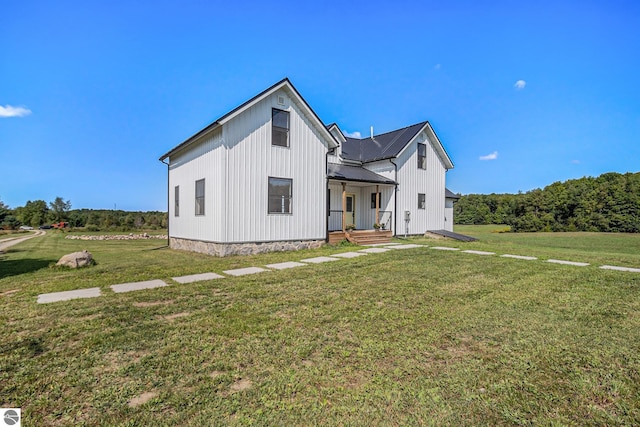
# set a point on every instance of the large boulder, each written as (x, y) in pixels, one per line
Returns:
(76, 259)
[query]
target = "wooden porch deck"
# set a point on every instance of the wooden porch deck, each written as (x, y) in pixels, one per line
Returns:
(361, 237)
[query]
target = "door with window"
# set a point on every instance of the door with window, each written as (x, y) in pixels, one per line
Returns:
(350, 209)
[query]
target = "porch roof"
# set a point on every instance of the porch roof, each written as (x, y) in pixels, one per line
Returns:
(355, 173)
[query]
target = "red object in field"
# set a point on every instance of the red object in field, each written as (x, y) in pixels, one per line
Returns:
(60, 224)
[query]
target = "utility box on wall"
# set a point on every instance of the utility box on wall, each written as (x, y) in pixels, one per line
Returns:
(407, 215)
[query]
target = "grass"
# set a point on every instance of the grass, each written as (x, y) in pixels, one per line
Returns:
(411, 337)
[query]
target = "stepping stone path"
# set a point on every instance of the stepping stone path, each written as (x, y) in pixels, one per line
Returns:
(284, 265)
(67, 295)
(613, 267)
(479, 252)
(319, 259)
(244, 271)
(577, 264)
(530, 258)
(349, 255)
(138, 286)
(372, 249)
(197, 277)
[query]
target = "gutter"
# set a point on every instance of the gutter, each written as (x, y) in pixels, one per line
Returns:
(326, 205)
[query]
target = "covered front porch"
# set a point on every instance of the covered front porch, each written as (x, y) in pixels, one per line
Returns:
(360, 205)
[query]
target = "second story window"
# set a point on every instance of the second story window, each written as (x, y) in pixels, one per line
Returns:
(422, 156)
(279, 127)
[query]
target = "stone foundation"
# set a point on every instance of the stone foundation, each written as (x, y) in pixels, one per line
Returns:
(226, 249)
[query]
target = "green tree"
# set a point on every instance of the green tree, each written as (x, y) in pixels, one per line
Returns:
(60, 209)
(34, 213)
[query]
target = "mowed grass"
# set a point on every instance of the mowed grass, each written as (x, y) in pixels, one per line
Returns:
(407, 337)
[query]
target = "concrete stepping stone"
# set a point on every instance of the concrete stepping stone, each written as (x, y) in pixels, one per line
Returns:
(138, 286)
(613, 267)
(67, 295)
(374, 250)
(319, 259)
(444, 248)
(348, 255)
(478, 252)
(577, 264)
(244, 271)
(406, 246)
(197, 277)
(284, 265)
(530, 258)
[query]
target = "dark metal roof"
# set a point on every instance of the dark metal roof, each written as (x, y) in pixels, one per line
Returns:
(448, 194)
(452, 235)
(380, 147)
(355, 173)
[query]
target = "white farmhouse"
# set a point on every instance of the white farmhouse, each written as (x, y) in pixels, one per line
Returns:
(270, 175)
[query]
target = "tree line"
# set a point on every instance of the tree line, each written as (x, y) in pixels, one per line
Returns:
(38, 212)
(608, 203)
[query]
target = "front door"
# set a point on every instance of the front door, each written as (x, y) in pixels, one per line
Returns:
(350, 209)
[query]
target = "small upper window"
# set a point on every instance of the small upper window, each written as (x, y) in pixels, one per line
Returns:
(176, 201)
(279, 127)
(422, 156)
(373, 199)
(280, 195)
(421, 201)
(200, 197)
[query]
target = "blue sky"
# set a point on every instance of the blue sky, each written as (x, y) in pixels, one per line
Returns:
(522, 94)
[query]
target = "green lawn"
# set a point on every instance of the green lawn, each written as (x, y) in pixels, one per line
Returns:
(407, 337)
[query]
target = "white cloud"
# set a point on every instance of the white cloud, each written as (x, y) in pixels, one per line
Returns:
(575, 162)
(353, 135)
(437, 67)
(491, 156)
(520, 84)
(11, 111)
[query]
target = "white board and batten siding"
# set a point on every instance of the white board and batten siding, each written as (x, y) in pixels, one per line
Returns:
(429, 181)
(205, 161)
(237, 171)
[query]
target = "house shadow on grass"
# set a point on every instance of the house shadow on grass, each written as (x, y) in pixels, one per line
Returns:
(16, 267)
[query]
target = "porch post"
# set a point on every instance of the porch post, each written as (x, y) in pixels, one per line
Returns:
(377, 204)
(344, 204)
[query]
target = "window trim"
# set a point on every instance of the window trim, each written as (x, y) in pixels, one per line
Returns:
(422, 158)
(275, 128)
(176, 201)
(290, 180)
(201, 205)
(424, 201)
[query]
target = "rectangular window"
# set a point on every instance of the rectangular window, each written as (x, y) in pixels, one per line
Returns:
(280, 195)
(373, 200)
(176, 201)
(200, 197)
(422, 156)
(421, 201)
(279, 127)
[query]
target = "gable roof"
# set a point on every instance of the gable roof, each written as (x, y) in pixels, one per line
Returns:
(389, 145)
(282, 84)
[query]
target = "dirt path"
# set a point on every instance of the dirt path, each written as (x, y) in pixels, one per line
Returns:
(7, 243)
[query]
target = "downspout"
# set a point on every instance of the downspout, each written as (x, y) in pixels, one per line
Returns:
(395, 199)
(168, 216)
(327, 207)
